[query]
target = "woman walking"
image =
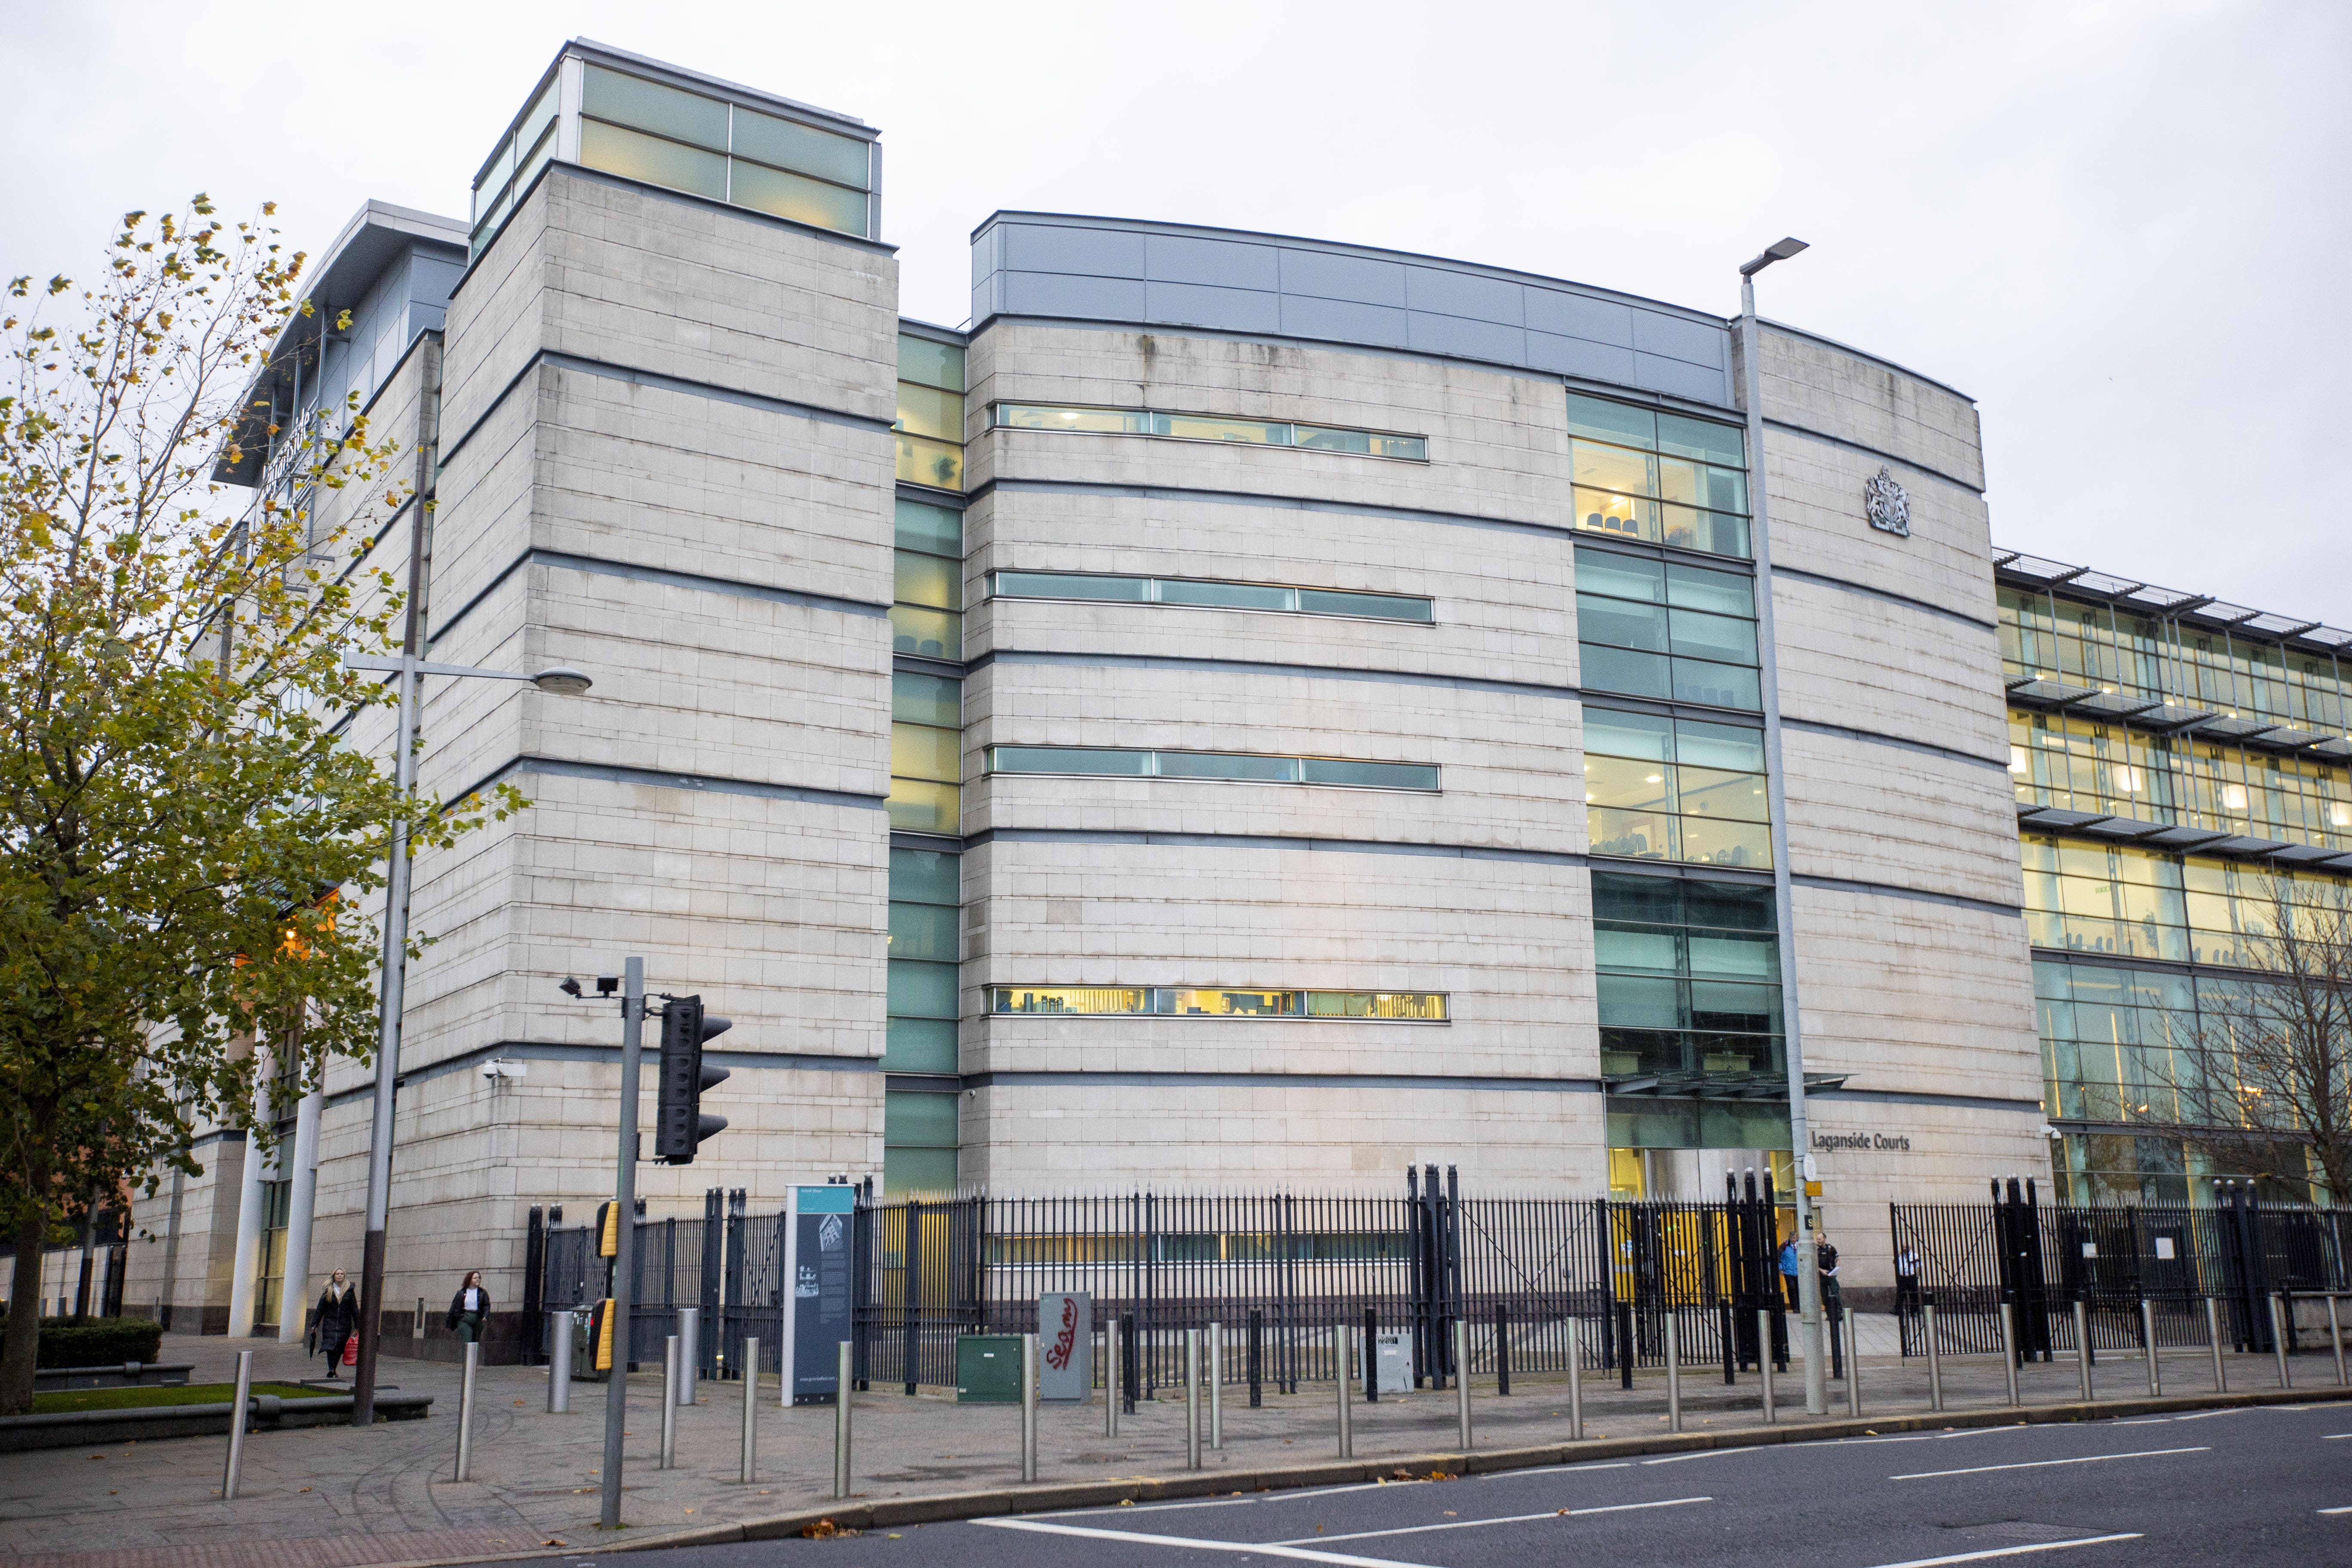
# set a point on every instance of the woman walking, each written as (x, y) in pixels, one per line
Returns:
(469, 1307)
(338, 1320)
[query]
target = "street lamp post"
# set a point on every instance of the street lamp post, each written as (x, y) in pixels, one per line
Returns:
(1809, 1279)
(409, 668)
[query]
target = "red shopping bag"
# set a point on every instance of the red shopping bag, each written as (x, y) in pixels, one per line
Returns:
(351, 1350)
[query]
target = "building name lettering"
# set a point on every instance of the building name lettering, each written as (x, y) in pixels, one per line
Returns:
(1897, 1142)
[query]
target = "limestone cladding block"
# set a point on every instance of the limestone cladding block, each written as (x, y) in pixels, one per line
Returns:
(1953, 1152)
(1819, 526)
(1510, 763)
(1859, 663)
(1915, 995)
(1819, 387)
(1509, 942)
(624, 275)
(207, 1251)
(1042, 1137)
(1497, 442)
(1501, 599)
(1901, 816)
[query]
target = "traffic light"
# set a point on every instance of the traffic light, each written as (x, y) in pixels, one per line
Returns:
(608, 1229)
(678, 1121)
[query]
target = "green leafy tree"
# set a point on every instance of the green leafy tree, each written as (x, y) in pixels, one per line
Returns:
(185, 841)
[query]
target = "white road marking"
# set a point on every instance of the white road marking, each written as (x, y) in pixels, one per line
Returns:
(1244, 1547)
(1507, 1519)
(2011, 1551)
(1707, 1454)
(1230, 1501)
(2333, 1437)
(2335, 1510)
(2043, 1464)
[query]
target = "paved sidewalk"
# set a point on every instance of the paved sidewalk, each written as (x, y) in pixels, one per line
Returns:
(339, 1498)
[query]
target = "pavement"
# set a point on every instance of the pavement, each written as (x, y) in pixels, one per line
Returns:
(2258, 1485)
(340, 1497)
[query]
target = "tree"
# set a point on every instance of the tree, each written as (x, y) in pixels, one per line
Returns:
(184, 837)
(2270, 1090)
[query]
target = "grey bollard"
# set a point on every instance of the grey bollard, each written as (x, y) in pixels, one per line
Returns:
(1935, 1360)
(840, 1421)
(690, 1355)
(2148, 1332)
(1461, 1380)
(1854, 1365)
(1339, 1364)
(465, 1411)
(558, 1361)
(2083, 1349)
(1111, 1379)
(669, 1403)
(1216, 1370)
(1575, 1381)
(2335, 1340)
(1028, 1408)
(1764, 1363)
(1191, 1399)
(233, 1472)
(751, 1411)
(2009, 1351)
(2213, 1343)
(1673, 1376)
(2278, 1338)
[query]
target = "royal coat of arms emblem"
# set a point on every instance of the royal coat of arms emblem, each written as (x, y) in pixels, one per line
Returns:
(1886, 504)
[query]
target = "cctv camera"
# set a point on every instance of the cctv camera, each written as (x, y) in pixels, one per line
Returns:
(570, 986)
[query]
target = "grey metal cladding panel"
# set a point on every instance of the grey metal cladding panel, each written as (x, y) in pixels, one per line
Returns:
(1061, 294)
(1353, 278)
(1200, 305)
(1343, 321)
(430, 278)
(1094, 252)
(1581, 356)
(985, 251)
(1574, 316)
(1446, 294)
(984, 296)
(1227, 264)
(1681, 378)
(1696, 341)
(1467, 339)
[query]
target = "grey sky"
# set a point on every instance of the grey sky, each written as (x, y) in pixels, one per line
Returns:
(2122, 228)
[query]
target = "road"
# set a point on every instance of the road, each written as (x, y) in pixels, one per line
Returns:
(2263, 1485)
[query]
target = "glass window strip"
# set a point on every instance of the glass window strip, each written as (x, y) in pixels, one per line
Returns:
(1098, 586)
(1238, 767)
(1173, 426)
(1217, 1002)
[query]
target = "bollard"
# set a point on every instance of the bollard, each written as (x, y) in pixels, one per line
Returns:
(668, 1403)
(1028, 1408)
(1502, 1351)
(690, 1355)
(840, 1422)
(1216, 1370)
(2009, 1351)
(1934, 1359)
(1764, 1362)
(1854, 1365)
(1673, 1376)
(2278, 1338)
(2213, 1340)
(1626, 1345)
(2082, 1351)
(751, 1411)
(559, 1363)
(1339, 1352)
(1730, 1345)
(465, 1412)
(1192, 1397)
(1370, 1346)
(234, 1471)
(2335, 1341)
(1461, 1380)
(1110, 1378)
(2148, 1335)
(1575, 1381)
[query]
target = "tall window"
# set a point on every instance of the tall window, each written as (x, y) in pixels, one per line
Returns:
(919, 1130)
(1675, 789)
(925, 751)
(1659, 477)
(927, 596)
(269, 1282)
(930, 413)
(1688, 975)
(1648, 627)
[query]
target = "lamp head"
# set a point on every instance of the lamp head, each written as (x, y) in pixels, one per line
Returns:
(571, 986)
(1781, 250)
(561, 681)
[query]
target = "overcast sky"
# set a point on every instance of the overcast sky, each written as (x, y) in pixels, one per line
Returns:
(2122, 228)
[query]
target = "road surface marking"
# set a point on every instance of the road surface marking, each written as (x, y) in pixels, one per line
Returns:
(2336, 1510)
(2011, 1551)
(1706, 1454)
(2333, 1437)
(1245, 1547)
(1507, 1519)
(1229, 1502)
(2043, 1464)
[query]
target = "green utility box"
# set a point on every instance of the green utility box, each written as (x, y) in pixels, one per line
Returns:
(988, 1369)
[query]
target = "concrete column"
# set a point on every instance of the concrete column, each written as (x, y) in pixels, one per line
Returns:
(295, 1311)
(248, 1258)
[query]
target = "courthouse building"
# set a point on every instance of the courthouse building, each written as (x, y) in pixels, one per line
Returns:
(1241, 711)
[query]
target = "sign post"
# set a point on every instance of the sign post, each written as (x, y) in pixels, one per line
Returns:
(817, 1306)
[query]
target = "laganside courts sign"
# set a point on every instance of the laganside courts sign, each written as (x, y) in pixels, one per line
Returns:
(1897, 1142)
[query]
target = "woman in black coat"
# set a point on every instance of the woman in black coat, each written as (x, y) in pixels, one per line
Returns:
(469, 1307)
(338, 1319)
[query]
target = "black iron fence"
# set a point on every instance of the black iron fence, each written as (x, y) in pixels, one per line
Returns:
(2041, 1259)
